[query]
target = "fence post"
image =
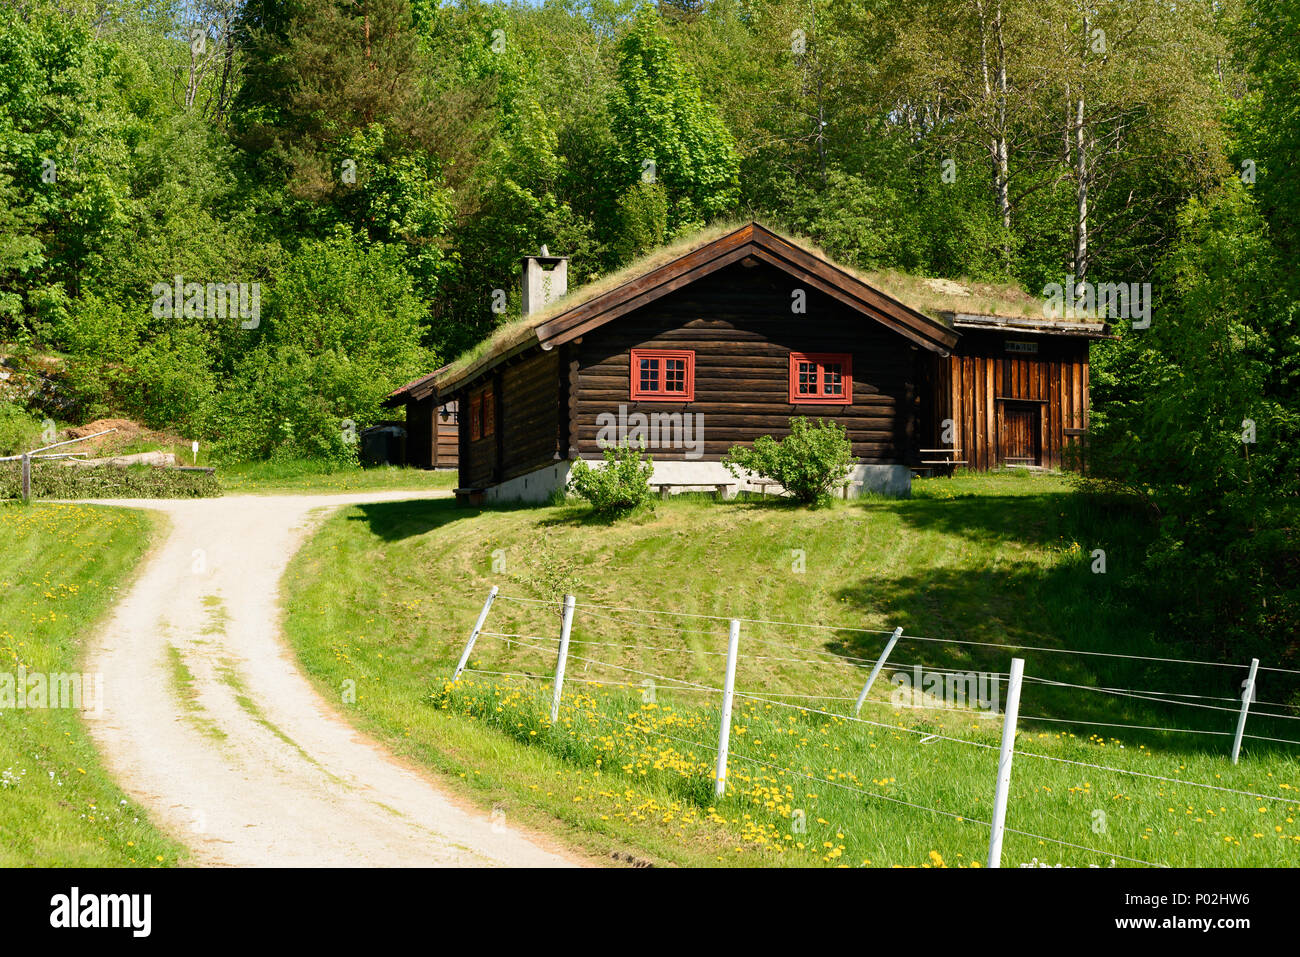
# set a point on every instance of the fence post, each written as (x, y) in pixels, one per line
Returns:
(27, 477)
(1004, 761)
(880, 663)
(565, 626)
(473, 637)
(724, 730)
(1246, 695)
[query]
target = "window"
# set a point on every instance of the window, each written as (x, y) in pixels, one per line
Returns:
(489, 412)
(476, 417)
(821, 378)
(661, 375)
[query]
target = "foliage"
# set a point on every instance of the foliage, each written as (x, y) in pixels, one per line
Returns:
(380, 168)
(1191, 425)
(658, 117)
(59, 481)
(340, 330)
(618, 487)
(19, 431)
(808, 463)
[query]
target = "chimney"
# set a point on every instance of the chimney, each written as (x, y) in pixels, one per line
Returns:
(545, 279)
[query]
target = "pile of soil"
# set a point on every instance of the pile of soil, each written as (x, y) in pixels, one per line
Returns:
(128, 432)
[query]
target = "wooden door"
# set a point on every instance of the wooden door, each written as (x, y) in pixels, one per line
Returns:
(1018, 433)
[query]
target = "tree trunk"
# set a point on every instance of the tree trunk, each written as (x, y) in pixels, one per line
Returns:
(1003, 166)
(1081, 168)
(1080, 195)
(995, 96)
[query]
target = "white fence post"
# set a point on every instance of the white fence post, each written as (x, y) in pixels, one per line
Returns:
(1004, 761)
(27, 477)
(880, 663)
(565, 626)
(473, 637)
(724, 730)
(1247, 694)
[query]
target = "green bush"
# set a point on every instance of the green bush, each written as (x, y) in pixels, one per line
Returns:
(52, 480)
(620, 486)
(19, 431)
(340, 330)
(808, 463)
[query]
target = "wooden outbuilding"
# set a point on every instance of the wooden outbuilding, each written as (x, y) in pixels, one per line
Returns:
(1014, 392)
(432, 427)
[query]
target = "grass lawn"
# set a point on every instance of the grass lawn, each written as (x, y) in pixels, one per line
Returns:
(383, 598)
(312, 476)
(61, 567)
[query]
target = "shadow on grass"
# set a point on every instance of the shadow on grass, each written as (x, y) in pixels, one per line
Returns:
(1037, 520)
(394, 521)
(580, 515)
(1063, 610)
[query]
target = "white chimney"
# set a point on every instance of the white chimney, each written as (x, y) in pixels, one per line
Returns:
(545, 279)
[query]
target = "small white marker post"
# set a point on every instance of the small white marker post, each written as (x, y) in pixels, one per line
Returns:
(565, 626)
(880, 663)
(194, 447)
(1004, 761)
(1247, 694)
(478, 626)
(724, 730)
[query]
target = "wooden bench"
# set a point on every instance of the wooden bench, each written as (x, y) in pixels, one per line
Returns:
(1027, 464)
(472, 497)
(946, 461)
(720, 489)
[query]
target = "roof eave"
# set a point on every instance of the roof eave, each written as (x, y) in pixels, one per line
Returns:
(1030, 326)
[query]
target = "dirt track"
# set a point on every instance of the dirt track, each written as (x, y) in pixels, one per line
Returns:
(246, 763)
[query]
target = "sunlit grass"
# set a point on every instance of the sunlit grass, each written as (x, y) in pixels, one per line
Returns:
(61, 566)
(386, 594)
(305, 475)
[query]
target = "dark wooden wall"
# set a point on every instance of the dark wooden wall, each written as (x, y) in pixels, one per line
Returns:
(530, 405)
(419, 433)
(740, 325)
(446, 451)
(527, 424)
(981, 381)
(431, 437)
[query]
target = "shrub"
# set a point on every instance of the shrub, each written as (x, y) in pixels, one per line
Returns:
(620, 486)
(52, 480)
(340, 330)
(808, 463)
(19, 432)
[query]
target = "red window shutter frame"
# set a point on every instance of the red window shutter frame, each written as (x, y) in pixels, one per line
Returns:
(820, 360)
(661, 359)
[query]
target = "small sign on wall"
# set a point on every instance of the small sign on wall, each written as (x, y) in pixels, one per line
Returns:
(1014, 345)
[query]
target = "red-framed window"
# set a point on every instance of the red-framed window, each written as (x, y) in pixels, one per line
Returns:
(821, 378)
(663, 375)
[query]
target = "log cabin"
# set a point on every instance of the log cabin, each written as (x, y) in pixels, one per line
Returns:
(723, 339)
